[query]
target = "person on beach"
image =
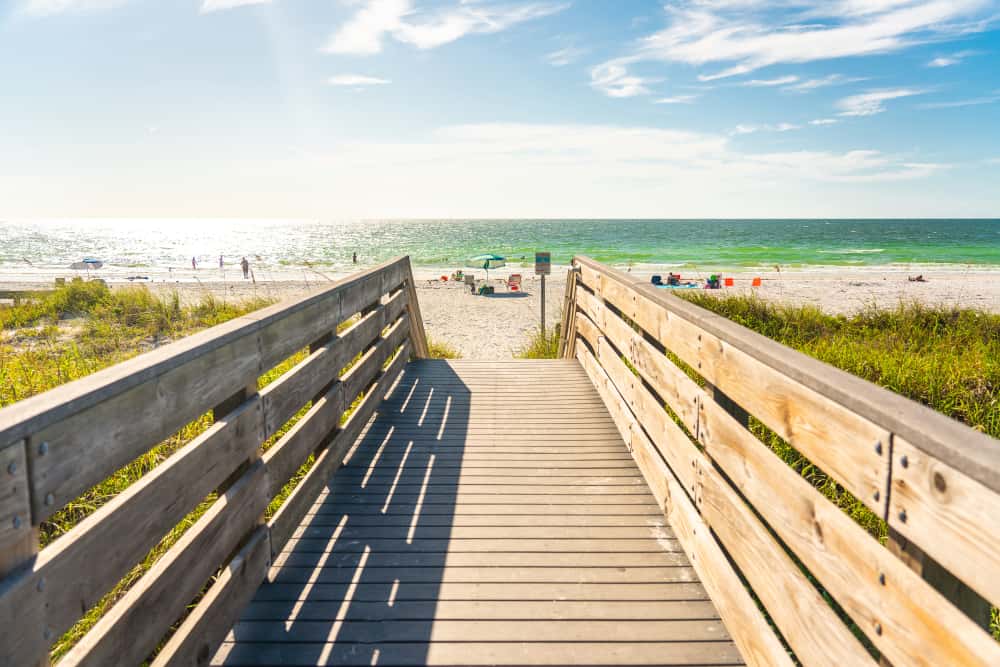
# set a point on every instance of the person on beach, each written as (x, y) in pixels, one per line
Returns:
(355, 258)
(194, 263)
(245, 265)
(220, 261)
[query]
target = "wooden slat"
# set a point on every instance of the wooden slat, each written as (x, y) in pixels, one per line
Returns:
(15, 505)
(487, 610)
(478, 559)
(760, 379)
(493, 532)
(490, 574)
(807, 622)
(486, 653)
(195, 641)
(417, 333)
(291, 451)
(757, 643)
(284, 522)
(955, 519)
(132, 629)
(134, 521)
(844, 558)
(286, 395)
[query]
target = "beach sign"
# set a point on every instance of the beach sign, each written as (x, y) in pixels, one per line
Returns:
(543, 263)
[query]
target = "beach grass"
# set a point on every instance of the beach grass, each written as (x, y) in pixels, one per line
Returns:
(438, 349)
(541, 345)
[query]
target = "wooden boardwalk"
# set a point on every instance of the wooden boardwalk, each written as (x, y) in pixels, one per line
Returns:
(490, 514)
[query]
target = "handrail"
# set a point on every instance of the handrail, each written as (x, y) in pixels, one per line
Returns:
(56, 445)
(932, 479)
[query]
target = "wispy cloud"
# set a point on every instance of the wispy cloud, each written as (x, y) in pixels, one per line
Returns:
(677, 99)
(824, 121)
(41, 8)
(612, 79)
(220, 5)
(356, 80)
(823, 82)
(976, 101)
(750, 129)
(872, 102)
(741, 36)
(563, 57)
(780, 81)
(951, 59)
(365, 31)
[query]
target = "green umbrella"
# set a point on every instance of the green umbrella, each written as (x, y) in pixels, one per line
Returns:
(486, 262)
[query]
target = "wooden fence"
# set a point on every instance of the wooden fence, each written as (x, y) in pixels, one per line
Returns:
(55, 446)
(773, 552)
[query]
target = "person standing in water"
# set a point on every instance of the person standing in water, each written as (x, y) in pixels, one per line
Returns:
(220, 261)
(246, 268)
(355, 258)
(194, 263)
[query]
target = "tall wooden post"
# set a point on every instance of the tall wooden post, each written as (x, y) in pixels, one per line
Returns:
(543, 305)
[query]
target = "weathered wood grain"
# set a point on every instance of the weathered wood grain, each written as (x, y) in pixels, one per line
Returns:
(134, 521)
(849, 563)
(15, 505)
(195, 641)
(130, 631)
(954, 519)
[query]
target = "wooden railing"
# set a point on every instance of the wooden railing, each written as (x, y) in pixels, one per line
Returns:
(55, 446)
(773, 552)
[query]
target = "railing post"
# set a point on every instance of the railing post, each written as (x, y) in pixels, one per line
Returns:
(417, 333)
(567, 333)
(18, 534)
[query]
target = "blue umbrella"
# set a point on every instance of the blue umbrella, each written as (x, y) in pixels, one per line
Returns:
(486, 262)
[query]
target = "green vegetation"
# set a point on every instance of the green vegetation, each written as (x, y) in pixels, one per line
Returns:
(441, 350)
(541, 345)
(77, 330)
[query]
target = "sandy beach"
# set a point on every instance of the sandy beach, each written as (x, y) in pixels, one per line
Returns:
(497, 326)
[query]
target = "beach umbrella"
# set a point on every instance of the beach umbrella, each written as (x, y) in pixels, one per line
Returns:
(86, 265)
(486, 262)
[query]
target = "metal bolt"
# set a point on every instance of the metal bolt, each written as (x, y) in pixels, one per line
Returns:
(878, 629)
(41, 585)
(878, 447)
(12, 468)
(902, 516)
(881, 578)
(43, 449)
(905, 462)
(17, 522)
(876, 496)
(49, 499)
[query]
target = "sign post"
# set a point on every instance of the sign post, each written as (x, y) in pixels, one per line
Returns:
(543, 267)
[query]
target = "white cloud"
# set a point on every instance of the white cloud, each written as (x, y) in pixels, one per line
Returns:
(952, 59)
(780, 81)
(364, 33)
(221, 5)
(750, 129)
(823, 82)
(612, 79)
(525, 170)
(52, 7)
(564, 57)
(677, 99)
(824, 121)
(960, 103)
(356, 80)
(741, 36)
(992, 160)
(872, 102)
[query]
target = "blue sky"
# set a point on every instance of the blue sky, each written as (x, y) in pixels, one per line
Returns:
(508, 108)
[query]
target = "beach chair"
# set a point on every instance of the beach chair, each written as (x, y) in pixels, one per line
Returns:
(656, 280)
(755, 283)
(470, 281)
(728, 282)
(514, 282)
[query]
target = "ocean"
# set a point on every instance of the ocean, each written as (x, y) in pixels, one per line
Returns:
(33, 251)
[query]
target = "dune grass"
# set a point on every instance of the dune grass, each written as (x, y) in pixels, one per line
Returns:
(438, 349)
(541, 345)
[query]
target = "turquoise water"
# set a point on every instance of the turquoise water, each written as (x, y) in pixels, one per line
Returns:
(718, 244)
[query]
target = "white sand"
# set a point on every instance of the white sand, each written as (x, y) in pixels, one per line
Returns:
(495, 327)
